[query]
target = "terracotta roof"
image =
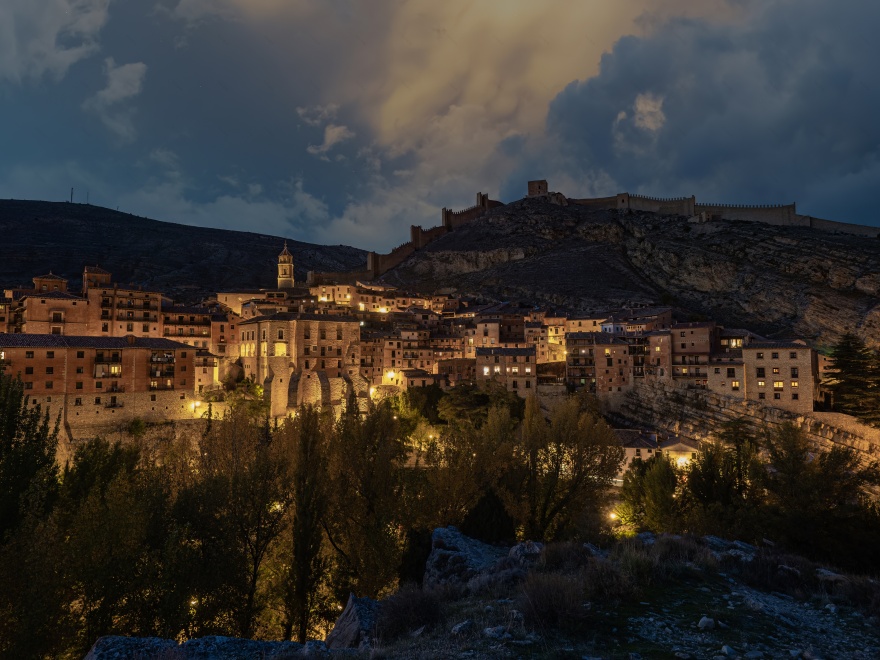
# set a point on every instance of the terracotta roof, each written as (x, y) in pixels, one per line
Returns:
(50, 276)
(301, 316)
(97, 270)
(770, 345)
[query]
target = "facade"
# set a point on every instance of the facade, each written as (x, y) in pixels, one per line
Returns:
(102, 380)
(285, 269)
(515, 368)
(302, 358)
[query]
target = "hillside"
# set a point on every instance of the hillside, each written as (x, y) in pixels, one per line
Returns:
(780, 281)
(184, 261)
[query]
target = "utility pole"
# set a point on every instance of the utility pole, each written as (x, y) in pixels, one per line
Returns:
(71, 195)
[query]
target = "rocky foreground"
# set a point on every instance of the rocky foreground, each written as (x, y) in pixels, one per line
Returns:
(649, 597)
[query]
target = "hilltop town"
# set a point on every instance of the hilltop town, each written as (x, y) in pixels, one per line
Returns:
(108, 355)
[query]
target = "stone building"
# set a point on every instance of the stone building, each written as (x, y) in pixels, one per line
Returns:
(285, 269)
(515, 368)
(96, 381)
(302, 358)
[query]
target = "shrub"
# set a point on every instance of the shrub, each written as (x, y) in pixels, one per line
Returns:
(637, 563)
(551, 600)
(604, 582)
(566, 556)
(410, 608)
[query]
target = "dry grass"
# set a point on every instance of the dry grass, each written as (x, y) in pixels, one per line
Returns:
(552, 600)
(407, 610)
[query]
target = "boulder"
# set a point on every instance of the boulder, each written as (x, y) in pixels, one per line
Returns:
(455, 559)
(526, 553)
(706, 623)
(356, 626)
(213, 647)
(115, 647)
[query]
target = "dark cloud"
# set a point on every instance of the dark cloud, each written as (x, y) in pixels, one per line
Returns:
(780, 105)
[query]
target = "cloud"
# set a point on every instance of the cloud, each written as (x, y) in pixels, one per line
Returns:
(46, 37)
(776, 106)
(333, 135)
(124, 82)
(317, 115)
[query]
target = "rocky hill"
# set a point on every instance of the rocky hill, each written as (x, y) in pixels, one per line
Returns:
(780, 281)
(184, 261)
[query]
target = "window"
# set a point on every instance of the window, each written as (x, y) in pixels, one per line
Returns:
(146, 328)
(717, 370)
(48, 384)
(80, 370)
(761, 372)
(731, 372)
(80, 355)
(759, 356)
(28, 386)
(28, 370)
(775, 370)
(778, 384)
(682, 334)
(77, 401)
(105, 327)
(777, 395)
(281, 334)
(761, 395)
(50, 354)
(761, 383)
(152, 397)
(97, 401)
(485, 371)
(28, 354)
(794, 372)
(98, 385)
(183, 355)
(50, 370)
(794, 383)
(794, 396)
(79, 385)
(129, 327)
(734, 385)
(774, 356)
(323, 334)
(793, 355)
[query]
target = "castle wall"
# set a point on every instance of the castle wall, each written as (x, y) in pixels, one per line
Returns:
(663, 205)
(596, 203)
(421, 237)
(842, 227)
(781, 214)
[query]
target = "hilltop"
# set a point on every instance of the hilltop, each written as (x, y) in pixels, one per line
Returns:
(182, 260)
(781, 281)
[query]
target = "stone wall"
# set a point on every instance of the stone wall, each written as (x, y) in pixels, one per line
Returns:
(698, 413)
(771, 214)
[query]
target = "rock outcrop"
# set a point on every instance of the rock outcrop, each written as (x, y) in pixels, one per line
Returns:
(356, 626)
(778, 281)
(203, 648)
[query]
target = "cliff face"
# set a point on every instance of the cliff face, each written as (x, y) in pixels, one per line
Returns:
(185, 261)
(780, 281)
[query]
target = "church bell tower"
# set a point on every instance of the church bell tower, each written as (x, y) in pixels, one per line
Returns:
(285, 269)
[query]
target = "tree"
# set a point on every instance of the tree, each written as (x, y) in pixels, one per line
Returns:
(854, 379)
(661, 506)
(27, 455)
(565, 467)
(306, 440)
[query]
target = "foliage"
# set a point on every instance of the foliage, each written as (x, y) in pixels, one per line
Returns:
(854, 379)
(27, 455)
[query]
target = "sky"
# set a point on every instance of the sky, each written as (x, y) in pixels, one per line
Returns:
(346, 121)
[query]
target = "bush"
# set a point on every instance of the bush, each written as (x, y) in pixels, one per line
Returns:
(409, 609)
(637, 563)
(565, 556)
(552, 600)
(604, 582)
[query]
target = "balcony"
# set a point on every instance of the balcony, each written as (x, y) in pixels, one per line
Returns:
(114, 389)
(162, 374)
(691, 373)
(108, 359)
(107, 372)
(160, 387)
(162, 359)
(114, 404)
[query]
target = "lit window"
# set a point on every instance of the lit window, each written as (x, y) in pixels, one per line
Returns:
(794, 383)
(761, 383)
(734, 385)
(778, 384)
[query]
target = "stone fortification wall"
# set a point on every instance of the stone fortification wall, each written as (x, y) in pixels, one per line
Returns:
(842, 227)
(664, 205)
(771, 214)
(699, 413)
(379, 264)
(596, 203)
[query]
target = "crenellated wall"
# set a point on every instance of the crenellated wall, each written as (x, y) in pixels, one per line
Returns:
(379, 264)
(771, 214)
